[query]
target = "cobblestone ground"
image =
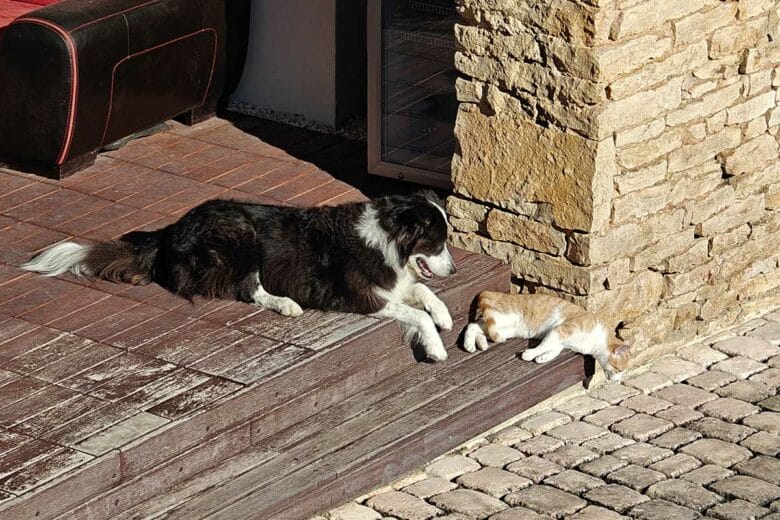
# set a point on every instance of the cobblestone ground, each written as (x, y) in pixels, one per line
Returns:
(695, 435)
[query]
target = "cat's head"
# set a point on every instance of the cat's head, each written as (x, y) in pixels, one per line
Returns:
(619, 355)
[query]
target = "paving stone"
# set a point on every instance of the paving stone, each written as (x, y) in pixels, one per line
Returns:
(603, 465)
(737, 510)
(571, 456)
(676, 465)
(596, 513)
(607, 443)
(451, 516)
(646, 404)
(402, 505)
(573, 481)
(775, 506)
(648, 382)
(534, 468)
(353, 511)
(769, 332)
(617, 497)
(774, 362)
(676, 369)
(493, 481)
(683, 493)
(543, 421)
(769, 377)
(546, 500)
(429, 487)
(680, 415)
(468, 502)
(740, 367)
(744, 328)
(581, 406)
(772, 404)
(642, 427)
(729, 409)
(517, 513)
(750, 391)
(613, 394)
(636, 477)
(642, 454)
(577, 432)
(608, 416)
(763, 467)
(707, 474)
(539, 445)
(717, 429)
(658, 509)
(673, 439)
(685, 395)
(716, 451)
(764, 443)
(451, 466)
(773, 516)
(495, 455)
(511, 436)
(766, 421)
(711, 379)
(747, 488)
(701, 354)
(747, 346)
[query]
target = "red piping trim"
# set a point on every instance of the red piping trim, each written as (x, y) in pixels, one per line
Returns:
(106, 17)
(150, 49)
(73, 83)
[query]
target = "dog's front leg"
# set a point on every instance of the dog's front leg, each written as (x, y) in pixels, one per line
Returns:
(421, 323)
(421, 294)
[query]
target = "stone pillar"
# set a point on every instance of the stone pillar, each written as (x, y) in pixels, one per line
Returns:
(624, 154)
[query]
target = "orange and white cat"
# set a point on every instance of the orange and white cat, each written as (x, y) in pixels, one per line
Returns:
(558, 323)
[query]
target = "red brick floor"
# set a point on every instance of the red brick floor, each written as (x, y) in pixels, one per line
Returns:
(87, 366)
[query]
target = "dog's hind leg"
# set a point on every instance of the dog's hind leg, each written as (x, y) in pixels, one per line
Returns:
(281, 304)
(421, 323)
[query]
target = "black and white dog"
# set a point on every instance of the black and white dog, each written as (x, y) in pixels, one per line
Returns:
(360, 257)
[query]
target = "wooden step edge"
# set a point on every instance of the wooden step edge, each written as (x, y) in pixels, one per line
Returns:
(258, 492)
(181, 437)
(429, 444)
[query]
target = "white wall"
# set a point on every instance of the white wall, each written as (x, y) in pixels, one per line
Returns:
(291, 60)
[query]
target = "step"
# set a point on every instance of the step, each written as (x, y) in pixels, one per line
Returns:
(343, 355)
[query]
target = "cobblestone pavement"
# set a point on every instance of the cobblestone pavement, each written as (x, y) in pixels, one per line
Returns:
(696, 435)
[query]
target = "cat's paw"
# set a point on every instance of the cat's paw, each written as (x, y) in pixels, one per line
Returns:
(547, 356)
(529, 354)
(474, 338)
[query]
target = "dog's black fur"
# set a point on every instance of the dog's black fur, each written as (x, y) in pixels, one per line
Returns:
(314, 256)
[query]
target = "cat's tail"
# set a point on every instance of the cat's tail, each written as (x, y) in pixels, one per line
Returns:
(128, 260)
(474, 338)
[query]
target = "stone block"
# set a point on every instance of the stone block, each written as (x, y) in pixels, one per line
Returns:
(603, 465)
(636, 477)
(695, 154)
(747, 488)
(642, 454)
(495, 455)
(607, 443)
(740, 366)
(646, 404)
(573, 481)
(749, 391)
(353, 511)
(717, 429)
(617, 497)
(697, 26)
(403, 506)
(680, 415)
(580, 406)
(577, 432)
(748, 346)
(715, 451)
(543, 421)
(706, 475)
(613, 394)
(539, 445)
(738, 510)
(642, 427)
(527, 233)
(729, 409)
(646, 16)
(534, 468)
(571, 456)
(676, 465)
(468, 502)
(761, 467)
(493, 481)
(547, 500)
(685, 395)
(769, 378)
(676, 438)
(752, 156)
(429, 487)
(684, 493)
(751, 109)
(597, 513)
(767, 421)
(764, 443)
(451, 466)
(639, 108)
(608, 416)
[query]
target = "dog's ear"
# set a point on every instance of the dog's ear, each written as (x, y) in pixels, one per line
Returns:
(432, 196)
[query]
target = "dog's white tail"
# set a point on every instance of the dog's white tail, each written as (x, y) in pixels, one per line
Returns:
(59, 259)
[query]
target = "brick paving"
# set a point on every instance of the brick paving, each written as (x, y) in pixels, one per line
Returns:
(696, 435)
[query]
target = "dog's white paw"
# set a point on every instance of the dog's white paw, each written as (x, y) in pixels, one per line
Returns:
(434, 347)
(288, 307)
(441, 316)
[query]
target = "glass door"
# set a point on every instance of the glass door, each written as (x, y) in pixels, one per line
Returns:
(412, 104)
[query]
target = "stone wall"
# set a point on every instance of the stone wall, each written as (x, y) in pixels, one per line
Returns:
(624, 154)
